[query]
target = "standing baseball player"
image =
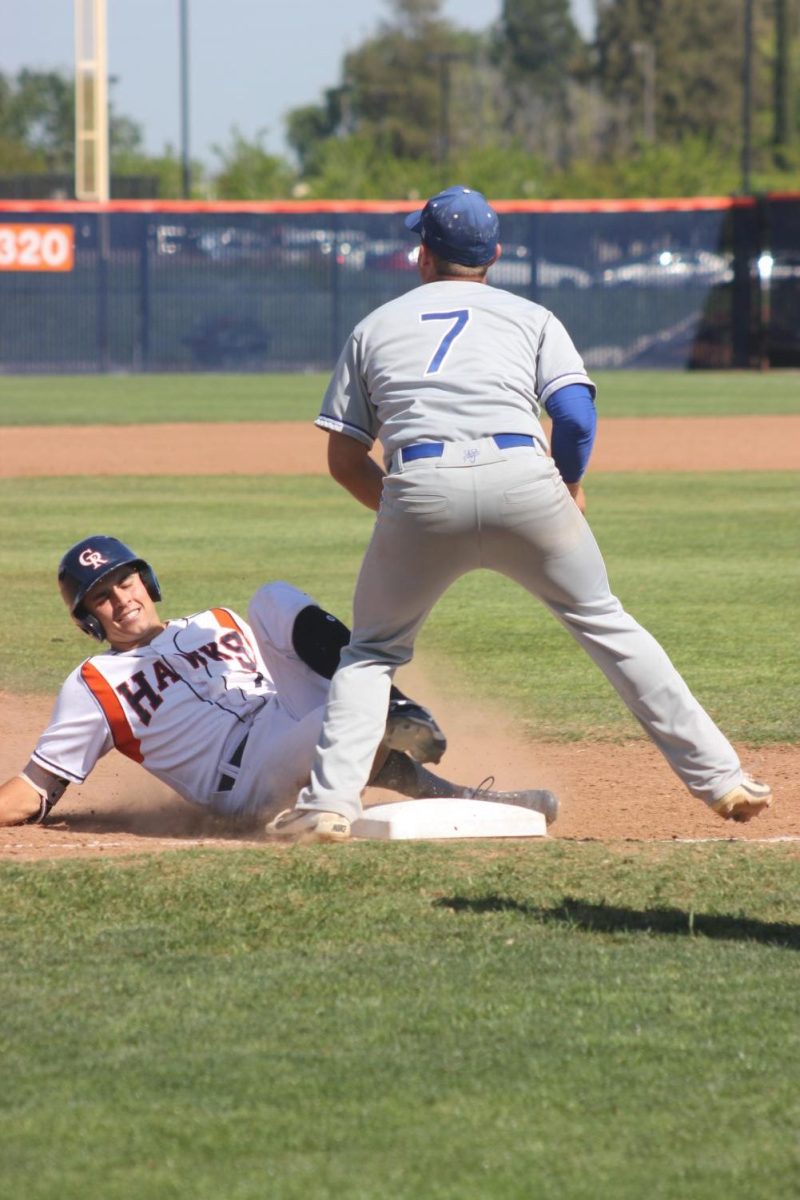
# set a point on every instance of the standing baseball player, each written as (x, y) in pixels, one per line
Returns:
(226, 712)
(452, 378)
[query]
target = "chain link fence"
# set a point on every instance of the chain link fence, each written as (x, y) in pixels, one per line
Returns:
(149, 287)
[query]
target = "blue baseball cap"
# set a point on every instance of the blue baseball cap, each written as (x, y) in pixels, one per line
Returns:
(459, 225)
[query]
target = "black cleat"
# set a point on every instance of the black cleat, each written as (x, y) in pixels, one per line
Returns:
(535, 799)
(413, 729)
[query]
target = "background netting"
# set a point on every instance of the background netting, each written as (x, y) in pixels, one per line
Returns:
(231, 291)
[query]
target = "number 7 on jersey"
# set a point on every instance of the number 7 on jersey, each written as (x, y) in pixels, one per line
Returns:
(459, 317)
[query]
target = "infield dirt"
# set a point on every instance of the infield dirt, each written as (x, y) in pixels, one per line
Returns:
(608, 791)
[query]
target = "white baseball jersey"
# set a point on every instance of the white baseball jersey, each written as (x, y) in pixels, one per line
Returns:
(182, 704)
(449, 361)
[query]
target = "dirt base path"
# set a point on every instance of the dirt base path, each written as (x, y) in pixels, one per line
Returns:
(607, 791)
(286, 448)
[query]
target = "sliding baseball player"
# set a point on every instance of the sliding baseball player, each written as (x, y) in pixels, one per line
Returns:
(223, 710)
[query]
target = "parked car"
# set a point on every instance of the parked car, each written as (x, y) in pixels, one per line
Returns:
(670, 268)
(233, 244)
(299, 247)
(174, 239)
(229, 244)
(552, 274)
(779, 266)
(514, 268)
(390, 254)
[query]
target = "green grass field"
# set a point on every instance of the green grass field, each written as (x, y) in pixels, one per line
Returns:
(132, 399)
(686, 554)
(461, 1021)
(565, 1022)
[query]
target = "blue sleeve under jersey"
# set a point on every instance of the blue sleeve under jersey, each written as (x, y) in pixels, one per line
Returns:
(572, 412)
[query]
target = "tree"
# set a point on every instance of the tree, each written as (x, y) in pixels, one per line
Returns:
(787, 116)
(686, 168)
(416, 91)
(37, 110)
(17, 159)
(249, 172)
(310, 126)
(540, 54)
(37, 115)
(356, 167)
(539, 43)
(694, 54)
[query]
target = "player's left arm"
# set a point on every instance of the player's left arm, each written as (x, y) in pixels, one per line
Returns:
(350, 464)
(574, 418)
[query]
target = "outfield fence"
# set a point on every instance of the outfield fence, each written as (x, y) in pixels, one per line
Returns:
(709, 282)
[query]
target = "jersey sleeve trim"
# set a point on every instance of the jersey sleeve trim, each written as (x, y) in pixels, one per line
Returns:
(226, 618)
(335, 425)
(124, 738)
(560, 381)
(55, 769)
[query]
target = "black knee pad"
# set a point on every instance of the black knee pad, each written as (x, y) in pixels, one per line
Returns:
(318, 639)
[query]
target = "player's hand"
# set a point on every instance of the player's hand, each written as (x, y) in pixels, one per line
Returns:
(578, 495)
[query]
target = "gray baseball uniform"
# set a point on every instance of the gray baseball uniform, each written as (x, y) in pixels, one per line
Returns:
(442, 376)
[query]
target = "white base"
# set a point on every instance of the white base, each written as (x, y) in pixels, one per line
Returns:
(448, 818)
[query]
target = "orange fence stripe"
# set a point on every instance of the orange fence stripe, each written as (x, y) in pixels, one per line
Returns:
(641, 204)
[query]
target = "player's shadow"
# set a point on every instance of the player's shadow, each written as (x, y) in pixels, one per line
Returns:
(585, 916)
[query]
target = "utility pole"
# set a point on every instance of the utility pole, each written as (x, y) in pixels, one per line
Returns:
(444, 60)
(186, 164)
(646, 52)
(782, 126)
(747, 99)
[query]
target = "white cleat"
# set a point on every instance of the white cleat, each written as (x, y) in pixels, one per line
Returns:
(309, 825)
(745, 801)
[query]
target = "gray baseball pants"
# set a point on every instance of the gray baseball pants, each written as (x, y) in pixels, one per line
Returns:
(506, 511)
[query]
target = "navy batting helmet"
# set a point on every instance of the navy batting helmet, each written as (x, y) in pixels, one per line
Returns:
(90, 560)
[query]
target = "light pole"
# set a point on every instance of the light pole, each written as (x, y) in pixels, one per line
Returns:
(91, 101)
(186, 165)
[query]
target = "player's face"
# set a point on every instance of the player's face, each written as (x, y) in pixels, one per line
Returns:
(123, 606)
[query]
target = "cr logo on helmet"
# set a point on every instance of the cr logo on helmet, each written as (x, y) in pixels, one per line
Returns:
(92, 558)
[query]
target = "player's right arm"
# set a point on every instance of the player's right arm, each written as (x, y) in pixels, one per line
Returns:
(77, 736)
(350, 464)
(349, 418)
(29, 796)
(19, 801)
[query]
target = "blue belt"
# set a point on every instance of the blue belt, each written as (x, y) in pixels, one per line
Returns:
(436, 449)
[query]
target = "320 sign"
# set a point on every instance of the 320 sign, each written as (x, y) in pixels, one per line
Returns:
(37, 248)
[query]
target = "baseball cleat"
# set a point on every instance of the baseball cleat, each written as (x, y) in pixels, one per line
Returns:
(309, 825)
(535, 799)
(745, 801)
(413, 729)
